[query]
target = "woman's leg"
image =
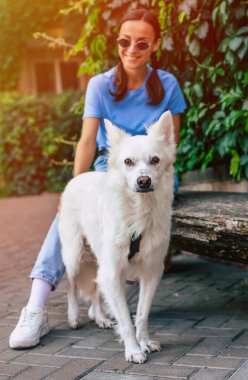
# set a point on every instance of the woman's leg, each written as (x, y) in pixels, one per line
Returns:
(40, 291)
(49, 265)
(46, 274)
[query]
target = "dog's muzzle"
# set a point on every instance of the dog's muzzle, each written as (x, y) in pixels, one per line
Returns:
(144, 184)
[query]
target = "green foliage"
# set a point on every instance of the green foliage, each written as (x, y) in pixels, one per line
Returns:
(216, 125)
(32, 131)
(204, 44)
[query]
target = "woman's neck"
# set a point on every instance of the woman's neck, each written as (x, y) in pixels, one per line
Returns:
(136, 78)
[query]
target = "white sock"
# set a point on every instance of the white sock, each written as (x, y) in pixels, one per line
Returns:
(40, 291)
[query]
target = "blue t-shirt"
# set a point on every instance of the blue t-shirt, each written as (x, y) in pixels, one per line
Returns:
(133, 113)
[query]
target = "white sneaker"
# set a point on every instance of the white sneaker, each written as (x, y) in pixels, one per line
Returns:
(32, 325)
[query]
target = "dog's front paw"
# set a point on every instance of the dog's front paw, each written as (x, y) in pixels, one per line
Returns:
(73, 323)
(149, 345)
(135, 356)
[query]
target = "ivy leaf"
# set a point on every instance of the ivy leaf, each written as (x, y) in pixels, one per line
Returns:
(224, 45)
(219, 115)
(194, 47)
(223, 11)
(235, 43)
(234, 165)
(167, 42)
(242, 52)
(230, 58)
(106, 14)
(181, 17)
(244, 159)
(198, 90)
(226, 143)
(202, 30)
(243, 30)
(245, 105)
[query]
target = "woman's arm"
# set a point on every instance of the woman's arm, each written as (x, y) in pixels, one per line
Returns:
(176, 121)
(86, 146)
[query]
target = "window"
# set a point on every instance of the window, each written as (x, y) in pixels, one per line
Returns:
(56, 76)
(45, 77)
(69, 75)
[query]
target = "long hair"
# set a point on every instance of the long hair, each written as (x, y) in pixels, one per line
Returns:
(154, 86)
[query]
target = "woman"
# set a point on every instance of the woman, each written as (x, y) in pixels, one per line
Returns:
(132, 95)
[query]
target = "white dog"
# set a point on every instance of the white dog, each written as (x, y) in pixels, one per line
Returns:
(116, 225)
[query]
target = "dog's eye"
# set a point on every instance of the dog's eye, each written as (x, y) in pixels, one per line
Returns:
(154, 160)
(129, 162)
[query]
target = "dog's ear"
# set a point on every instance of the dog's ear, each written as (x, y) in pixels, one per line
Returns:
(163, 129)
(114, 134)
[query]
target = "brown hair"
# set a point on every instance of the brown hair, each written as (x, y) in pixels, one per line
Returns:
(154, 86)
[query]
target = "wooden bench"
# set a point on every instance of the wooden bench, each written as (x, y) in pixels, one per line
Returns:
(213, 224)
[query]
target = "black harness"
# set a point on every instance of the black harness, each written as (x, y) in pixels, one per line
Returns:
(135, 242)
(134, 246)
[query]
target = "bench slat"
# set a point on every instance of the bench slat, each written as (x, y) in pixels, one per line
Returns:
(213, 224)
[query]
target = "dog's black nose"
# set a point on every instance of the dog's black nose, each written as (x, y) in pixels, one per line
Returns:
(144, 182)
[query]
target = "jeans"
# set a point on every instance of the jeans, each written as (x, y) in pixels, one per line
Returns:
(49, 265)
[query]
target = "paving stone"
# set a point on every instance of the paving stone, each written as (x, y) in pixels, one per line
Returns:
(90, 353)
(213, 332)
(241, 373)
(208, 361)
(95, 340)
(111, 376)
(11, 369)
(42, 360)
(34, 373)
(177, 326)
(9, 355)
(160, 370)
(110, 344)
(116, 364)
(211, 374)
(210, 346)
(235, 352)
(236, 323)
(213, 321)
(52, 345)
(242, 340)
(73, 370)
(168, 354)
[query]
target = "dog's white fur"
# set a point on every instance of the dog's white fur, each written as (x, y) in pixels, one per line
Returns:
(99, 214)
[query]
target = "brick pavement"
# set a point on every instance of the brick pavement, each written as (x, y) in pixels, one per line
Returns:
(199, 315)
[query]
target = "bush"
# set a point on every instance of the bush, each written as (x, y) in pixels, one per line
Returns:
(31, 144)
(59, 141)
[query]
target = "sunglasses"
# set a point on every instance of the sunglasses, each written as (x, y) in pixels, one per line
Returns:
(140, 45)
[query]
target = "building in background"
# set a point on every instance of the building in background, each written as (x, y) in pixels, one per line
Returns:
(45, 70)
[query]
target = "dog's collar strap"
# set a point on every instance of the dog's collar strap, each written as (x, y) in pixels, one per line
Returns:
(134, 246)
